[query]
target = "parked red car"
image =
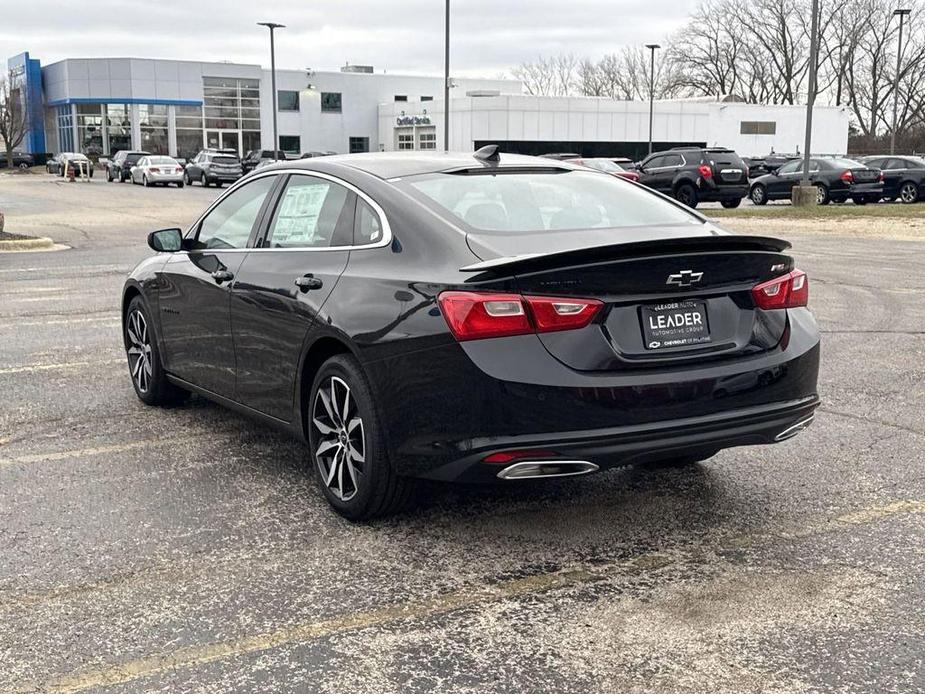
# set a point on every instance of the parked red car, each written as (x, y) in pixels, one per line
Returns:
(607, 166)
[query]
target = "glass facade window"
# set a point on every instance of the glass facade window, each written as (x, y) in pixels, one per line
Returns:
(427, 139)
(250, 140)
(331, 102)
(359, 144)
(427, 98)
(287, 100)
(90, 129)
(65, 129)
(153, 121)
(119, 127)
(290, 144)
(231, 103)
(401, 97)
(406, 139)
(189, 130)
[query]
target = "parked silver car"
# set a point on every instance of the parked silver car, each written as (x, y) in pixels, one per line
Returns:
(157, 169)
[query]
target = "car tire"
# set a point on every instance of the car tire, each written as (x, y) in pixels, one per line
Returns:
(822, 195)
(859, 200)
(731, 204)
(180, 184)
(686, 194)
(144, 181)
(186, 179)
(909, 193)
(357, 479)
(203, 181)
(758, 194)
(144, 360)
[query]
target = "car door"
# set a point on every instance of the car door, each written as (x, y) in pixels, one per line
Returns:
(194, 289)
(894, 172)
(283, 285)
(787, 176)
(650, 169)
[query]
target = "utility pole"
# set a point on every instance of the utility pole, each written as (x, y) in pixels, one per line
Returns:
(652, 48)
(272, 26)
(811, 95)
(899, 55)
(446, 83)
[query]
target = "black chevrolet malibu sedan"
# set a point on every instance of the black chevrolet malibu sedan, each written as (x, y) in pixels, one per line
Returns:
(473, 318)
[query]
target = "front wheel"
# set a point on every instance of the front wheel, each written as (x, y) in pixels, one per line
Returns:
(686, 194)
(759, 194)
(144, 359)
(144, 182)
(859, 200)
(180, 184)
(347, 445)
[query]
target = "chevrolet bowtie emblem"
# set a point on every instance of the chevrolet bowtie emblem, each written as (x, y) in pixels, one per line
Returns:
(685, 278)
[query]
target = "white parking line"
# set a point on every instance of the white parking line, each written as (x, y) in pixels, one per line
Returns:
(30, 368)
(32, 458)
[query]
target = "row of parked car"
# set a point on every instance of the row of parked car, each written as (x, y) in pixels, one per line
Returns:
(209, 167)
(713, 174)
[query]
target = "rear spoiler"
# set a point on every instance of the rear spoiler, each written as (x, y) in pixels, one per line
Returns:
(693, 244)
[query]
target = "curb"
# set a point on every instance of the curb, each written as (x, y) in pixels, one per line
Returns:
(35, 244)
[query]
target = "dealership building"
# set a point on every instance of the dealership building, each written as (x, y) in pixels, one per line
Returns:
(101, 105)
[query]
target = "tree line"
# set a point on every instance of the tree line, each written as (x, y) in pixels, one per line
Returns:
(760, 50)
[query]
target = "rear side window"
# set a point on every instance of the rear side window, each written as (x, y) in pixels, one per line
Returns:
(312, 213)
(229, 224)
(368, 226)
(539, 201)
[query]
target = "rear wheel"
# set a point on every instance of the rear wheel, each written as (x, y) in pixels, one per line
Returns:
(909, 192)
(731, 204)
(686, 194)
(859, 200)
(144, 181)
(822, 194)
(347, 446)
(186, 179)
(144, 359)
(759, 194)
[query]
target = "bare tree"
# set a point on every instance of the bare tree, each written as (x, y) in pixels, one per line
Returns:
(625, 76)
(12, 116)
(553, 76)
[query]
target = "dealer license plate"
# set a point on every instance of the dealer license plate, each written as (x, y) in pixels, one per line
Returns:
(675, 324)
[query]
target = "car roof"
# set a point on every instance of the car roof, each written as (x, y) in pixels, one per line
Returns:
(399, 164)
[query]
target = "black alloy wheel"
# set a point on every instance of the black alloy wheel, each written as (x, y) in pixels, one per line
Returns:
(686, 194)
(144, 362)
(909, 193)
(759, 194)
(346, 444)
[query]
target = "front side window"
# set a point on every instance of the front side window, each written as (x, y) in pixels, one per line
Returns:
(539, 201)
(312, 213)
(331, 102)
(229, 224)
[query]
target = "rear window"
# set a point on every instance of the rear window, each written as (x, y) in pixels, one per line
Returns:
(225, 160)
(537, 201)
(161, 160)
(846, 164)
(132, 158)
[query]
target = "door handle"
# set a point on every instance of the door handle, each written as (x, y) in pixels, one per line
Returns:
(307, 282)
(222, 276)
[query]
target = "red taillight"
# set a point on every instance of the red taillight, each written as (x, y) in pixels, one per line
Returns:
(179, 170)
(476, 315)
(787, 291)
(705, 171)
(510, 456)
(154, 169)
(880, 177)
(847, 177)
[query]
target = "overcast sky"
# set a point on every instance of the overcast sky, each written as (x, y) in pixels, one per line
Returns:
(402, 36)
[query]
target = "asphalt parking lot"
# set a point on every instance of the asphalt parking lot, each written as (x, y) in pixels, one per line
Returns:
(188, 549)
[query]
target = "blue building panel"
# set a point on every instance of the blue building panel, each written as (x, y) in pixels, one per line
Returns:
(27, 76)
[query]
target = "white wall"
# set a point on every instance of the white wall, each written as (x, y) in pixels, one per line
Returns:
(586, 119)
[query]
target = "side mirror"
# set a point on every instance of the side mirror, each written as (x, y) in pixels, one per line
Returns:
(166, 240)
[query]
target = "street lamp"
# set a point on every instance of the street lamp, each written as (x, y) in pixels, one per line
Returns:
(272, 26)
(446, 83)
(652, 48)
(899, 53)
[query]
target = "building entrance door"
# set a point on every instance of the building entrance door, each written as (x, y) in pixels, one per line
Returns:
(224, 139)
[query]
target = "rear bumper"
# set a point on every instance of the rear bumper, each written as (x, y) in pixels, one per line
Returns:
(710, 192)
(223, 177)
(619, 446)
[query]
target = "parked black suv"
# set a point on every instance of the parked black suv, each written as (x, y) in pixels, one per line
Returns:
(836, 180)
(213, 166)
(903, 176)
(255, 157)
(119, 168)
(21, 160)
(697, 174)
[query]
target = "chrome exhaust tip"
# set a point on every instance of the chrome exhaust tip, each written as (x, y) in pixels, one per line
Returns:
(792, 431)
(534, 469)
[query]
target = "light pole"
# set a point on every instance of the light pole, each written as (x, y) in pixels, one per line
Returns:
(652, 48)
(811, 95)
(272, 26)
(899, 54)
(446, 83)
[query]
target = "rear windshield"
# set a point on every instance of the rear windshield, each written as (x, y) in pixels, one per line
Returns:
(162, 160)
(603, 165)
(846, 164)
(225, 160)
(132, 158)
(539, 201)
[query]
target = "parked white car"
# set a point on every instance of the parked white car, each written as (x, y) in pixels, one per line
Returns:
(156, 169)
